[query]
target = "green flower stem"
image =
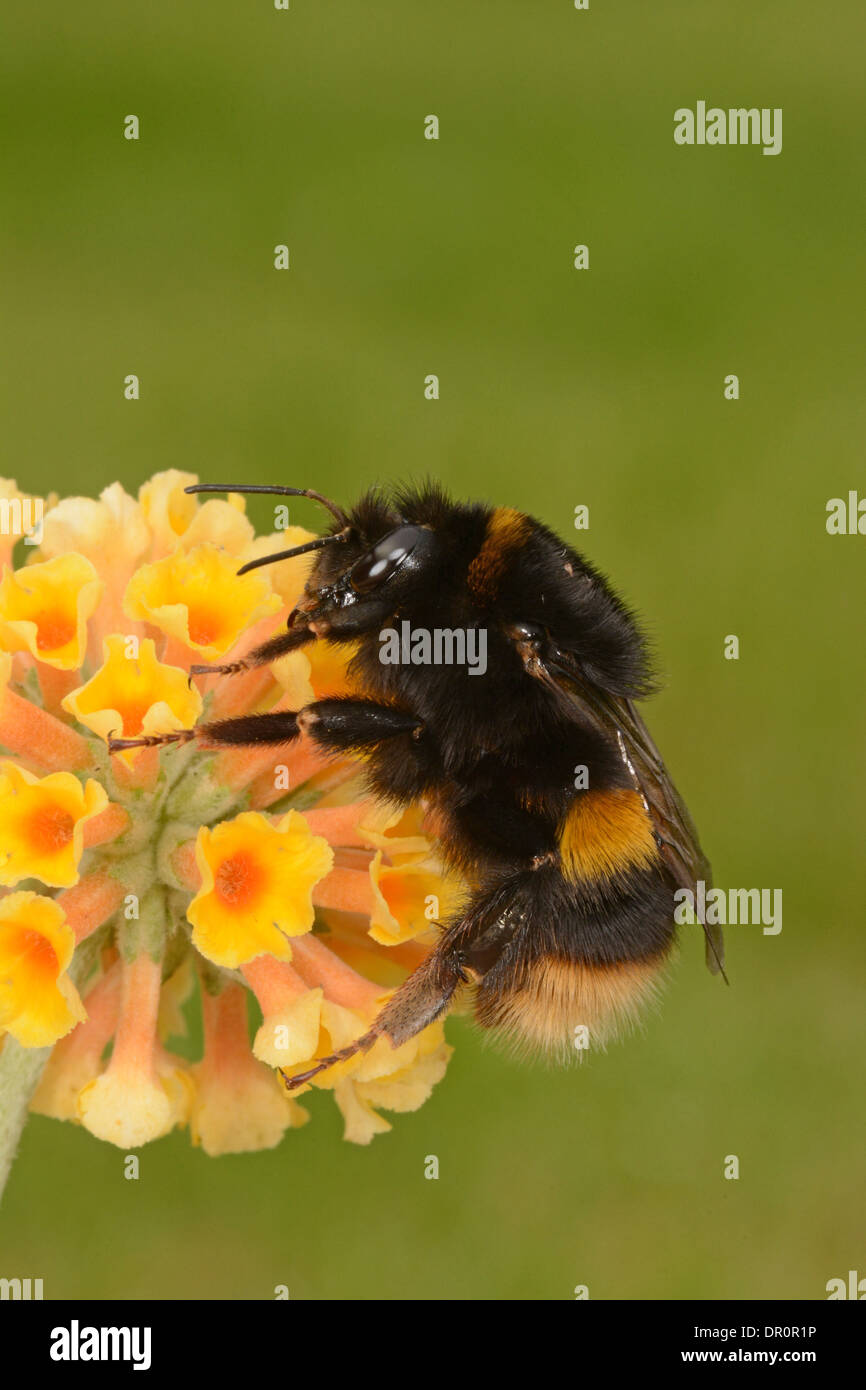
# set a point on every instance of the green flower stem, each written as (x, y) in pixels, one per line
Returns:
(20, 1070)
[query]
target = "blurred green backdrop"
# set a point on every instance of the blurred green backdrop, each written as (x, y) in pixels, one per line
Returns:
(558, 387)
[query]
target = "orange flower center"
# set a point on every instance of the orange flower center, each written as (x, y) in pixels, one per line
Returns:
(133, 715)
(205, 626)
(39, 951)
(401, 895)
(238, 879)
(51, 828)
(54, 630)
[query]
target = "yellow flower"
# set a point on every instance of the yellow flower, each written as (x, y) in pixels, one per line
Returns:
(239, 1104)
(403, 1090)
(291, 1012)
(289, 576)
(342, 1026)
(408, 837)
(144, 1091)
(44, 609)
(177, 518)
(293, 673)
(393, 1078)
(408, 898)
(166, 508)
(316, 674)
(38, 1003)
(291, 1034)
(41, 824)
(361, 1123)
(131, 1108)
(134, 694)
(198, 598)
(111, 532)
(397, 1079)
(257, 885)
(220, 523)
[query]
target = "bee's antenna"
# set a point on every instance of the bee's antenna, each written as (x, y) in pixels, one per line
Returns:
(275, 492)
(296, 550)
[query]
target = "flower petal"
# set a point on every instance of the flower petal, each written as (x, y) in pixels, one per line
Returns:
(197, 597)
(44, 609)
(408, 898)
(257, 884)
(134, 694)
(38, 1003)
(42, 823)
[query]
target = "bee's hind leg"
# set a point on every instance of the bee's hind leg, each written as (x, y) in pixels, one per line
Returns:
(463, 955)
(419, 1001)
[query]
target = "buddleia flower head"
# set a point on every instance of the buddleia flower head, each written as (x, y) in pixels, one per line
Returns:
(265, 883)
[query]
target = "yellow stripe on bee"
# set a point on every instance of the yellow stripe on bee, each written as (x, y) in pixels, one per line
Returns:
(606, 833)
(507, 530)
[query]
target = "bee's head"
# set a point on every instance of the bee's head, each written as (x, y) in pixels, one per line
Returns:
(355, 585)
(373, 562)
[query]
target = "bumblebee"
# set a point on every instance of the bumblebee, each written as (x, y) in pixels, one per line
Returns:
(545, 787)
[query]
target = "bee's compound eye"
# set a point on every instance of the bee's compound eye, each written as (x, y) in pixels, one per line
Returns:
(525, 632)
(383, 560)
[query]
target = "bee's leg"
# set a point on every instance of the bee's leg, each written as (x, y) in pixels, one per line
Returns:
(464, 954)
(336, 725)
(419, 1001)
(260, 656)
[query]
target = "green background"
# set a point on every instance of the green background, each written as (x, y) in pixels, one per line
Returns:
(558, 387)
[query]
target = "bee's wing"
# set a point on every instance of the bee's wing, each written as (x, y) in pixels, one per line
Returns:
(619, 721)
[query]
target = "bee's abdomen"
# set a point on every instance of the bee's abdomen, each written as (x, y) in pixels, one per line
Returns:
(563, 1006)
(589, 945)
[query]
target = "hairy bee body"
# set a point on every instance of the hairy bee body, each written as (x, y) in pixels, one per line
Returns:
(531, 801)
(545, 787)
